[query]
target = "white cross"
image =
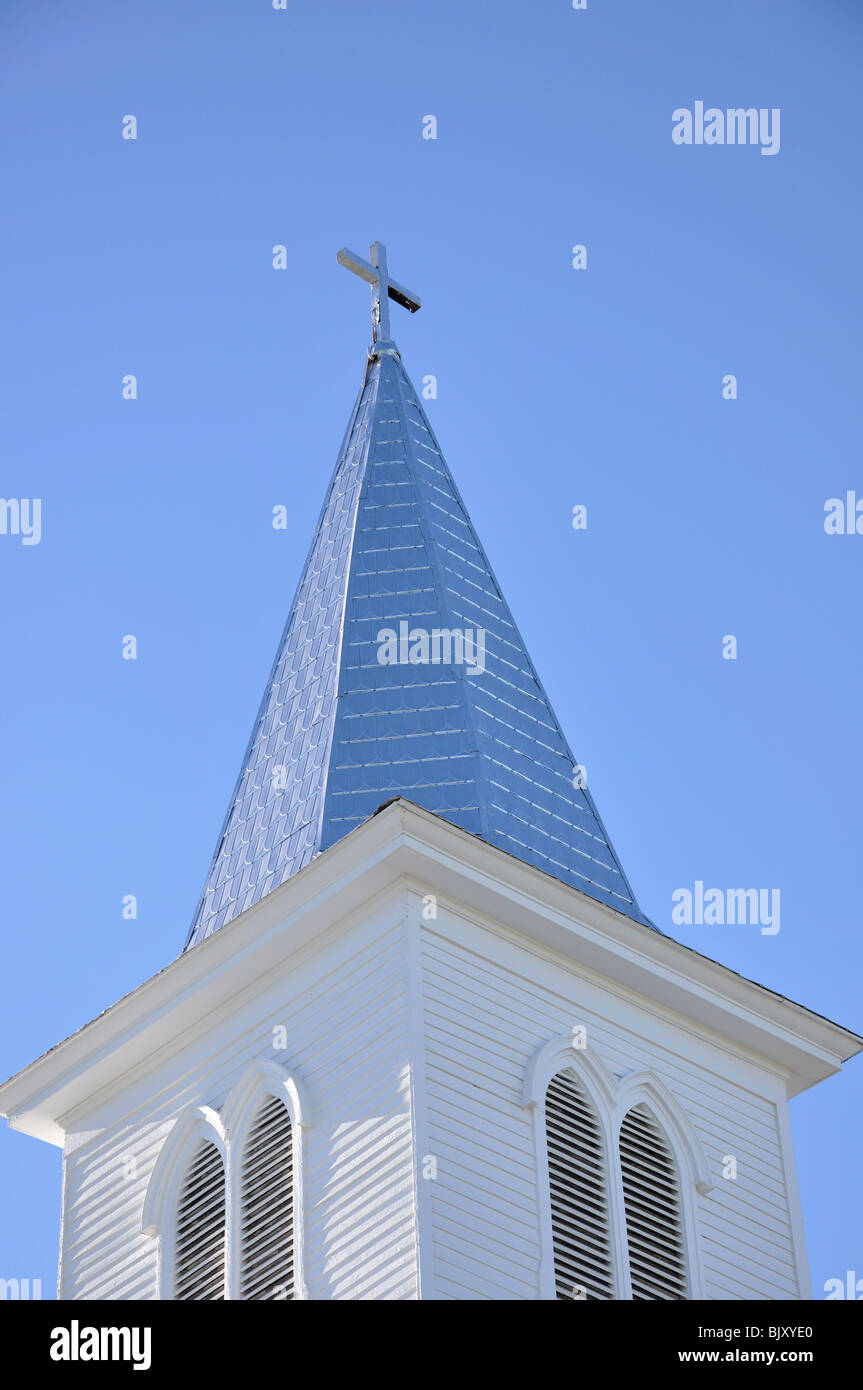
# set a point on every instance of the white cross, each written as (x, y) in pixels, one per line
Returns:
(374, 271)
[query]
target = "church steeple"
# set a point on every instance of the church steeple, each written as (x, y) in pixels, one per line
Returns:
(401, 673)
(527, 1097)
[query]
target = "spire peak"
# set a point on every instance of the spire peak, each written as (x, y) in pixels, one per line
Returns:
(374, 271)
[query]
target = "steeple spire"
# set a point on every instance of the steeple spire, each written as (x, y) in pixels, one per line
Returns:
(401, 672)
(375, 272)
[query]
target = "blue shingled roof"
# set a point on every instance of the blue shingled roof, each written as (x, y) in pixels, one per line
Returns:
(338, 732)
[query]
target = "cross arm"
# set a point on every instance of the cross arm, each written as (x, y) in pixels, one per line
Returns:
(357, 265)
(369, 273)
(406, 298)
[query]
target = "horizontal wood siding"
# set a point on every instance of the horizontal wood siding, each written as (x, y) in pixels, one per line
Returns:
(489, 1003)
(345, 1013)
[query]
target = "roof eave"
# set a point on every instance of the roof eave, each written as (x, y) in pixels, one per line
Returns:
(406, 841)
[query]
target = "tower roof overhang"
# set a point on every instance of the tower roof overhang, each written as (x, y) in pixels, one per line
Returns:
(404, 842)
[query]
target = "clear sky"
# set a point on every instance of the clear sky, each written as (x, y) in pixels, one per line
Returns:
(556, 387)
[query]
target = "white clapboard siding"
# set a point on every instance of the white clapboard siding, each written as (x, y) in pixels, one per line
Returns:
(199, 1258)
(411, 1055)
(267, 1206)
(489, 1004)
(579, 1193)
(344, 1010)
(654, 1222)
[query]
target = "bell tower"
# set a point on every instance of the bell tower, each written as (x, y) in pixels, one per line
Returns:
(422, 1042)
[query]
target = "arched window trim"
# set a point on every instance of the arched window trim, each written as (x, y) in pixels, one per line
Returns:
(693, 1174)
(158, 1217)
(259, 1080)
(612, 1099)
(227, 1129)
(599, 1085)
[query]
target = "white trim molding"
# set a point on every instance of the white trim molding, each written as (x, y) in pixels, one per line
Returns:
(261, 1079)
(612, 1099)
(200, 1123)
(46, 1098)
(644, 1088)
(562, 1054)
(556, 1056)
(420, 1149)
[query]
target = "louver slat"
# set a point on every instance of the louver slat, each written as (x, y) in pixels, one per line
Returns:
(267, 1206)
(579, 1196)
(199, 1256)
(654, 1222)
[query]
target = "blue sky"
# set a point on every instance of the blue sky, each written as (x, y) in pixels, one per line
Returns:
(556, 387)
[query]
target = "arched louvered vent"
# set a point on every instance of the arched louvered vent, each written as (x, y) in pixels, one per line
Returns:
(579, 1193)
(654, 1223)
(267, 1206)
(199, 1261)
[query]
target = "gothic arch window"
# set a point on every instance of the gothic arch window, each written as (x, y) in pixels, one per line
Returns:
(266, 1206)
(578, 1192)
(225, 1194)
(619, 1167)
(655, 1234)
(265, 1118)
(199, 1238)
(186, 1206)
